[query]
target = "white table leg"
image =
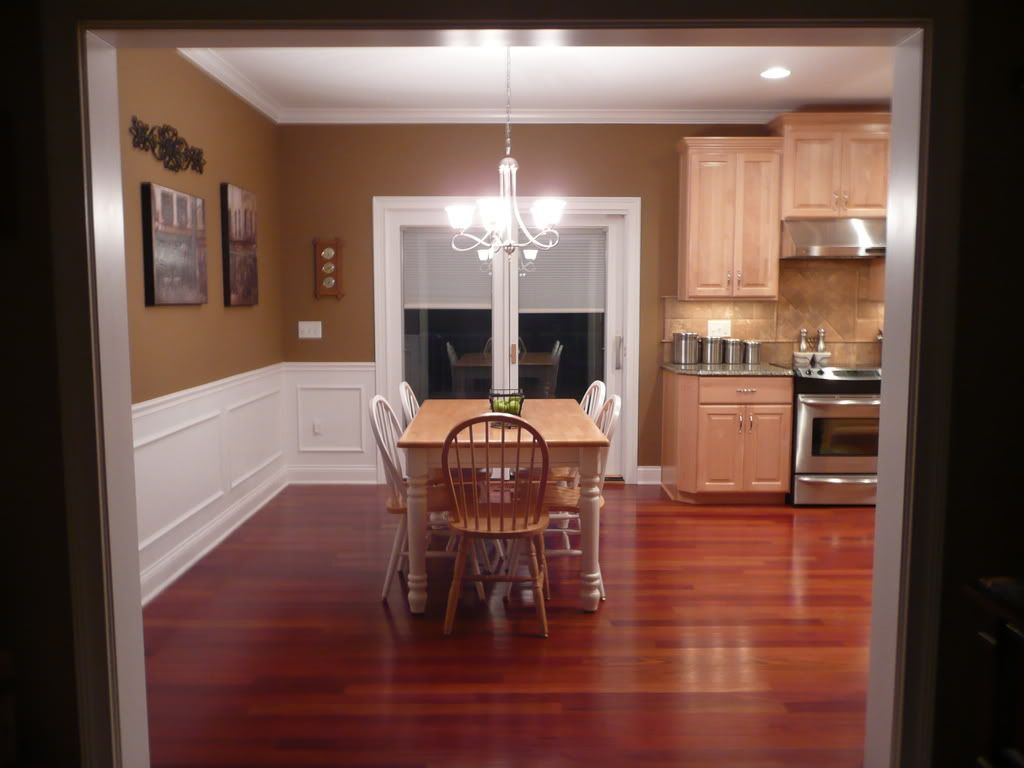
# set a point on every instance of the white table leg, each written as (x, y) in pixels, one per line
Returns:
(590, 524)
(416, 515)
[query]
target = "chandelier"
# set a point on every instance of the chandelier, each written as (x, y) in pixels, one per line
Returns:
(504, 228)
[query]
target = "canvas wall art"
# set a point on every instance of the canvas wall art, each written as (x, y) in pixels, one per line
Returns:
(173, 246)
(238, 246)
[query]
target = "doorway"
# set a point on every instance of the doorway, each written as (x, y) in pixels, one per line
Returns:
(439, 316)
(119, 461)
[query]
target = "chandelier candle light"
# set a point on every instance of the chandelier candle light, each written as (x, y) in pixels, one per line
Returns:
(499, 216)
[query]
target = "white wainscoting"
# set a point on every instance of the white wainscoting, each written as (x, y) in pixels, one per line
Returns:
(328, 437)
(208, 457)
(648, 475)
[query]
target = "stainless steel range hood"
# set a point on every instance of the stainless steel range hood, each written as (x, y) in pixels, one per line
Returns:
(833, 238)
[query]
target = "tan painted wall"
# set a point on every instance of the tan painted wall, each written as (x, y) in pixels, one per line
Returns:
(177, 347)
(330, 174)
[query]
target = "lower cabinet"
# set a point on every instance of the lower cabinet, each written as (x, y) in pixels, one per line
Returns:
(711, 447)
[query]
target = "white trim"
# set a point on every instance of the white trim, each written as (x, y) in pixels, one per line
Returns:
(165, 571)
(602, 116)
(165, 529)
(170, 431)
(305, 448)
(257, 469)
(358, 475)
(251, 400)
(648, 475)
(390, 213)
(147, 407)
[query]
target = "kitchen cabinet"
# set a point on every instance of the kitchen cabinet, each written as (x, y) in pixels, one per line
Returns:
(834, 164)
(726, 439)
(729, 217)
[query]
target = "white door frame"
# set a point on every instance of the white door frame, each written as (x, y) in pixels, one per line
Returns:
(390, 214)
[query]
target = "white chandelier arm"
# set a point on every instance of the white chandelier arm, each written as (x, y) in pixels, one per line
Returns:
(533, 239)
(474, 241)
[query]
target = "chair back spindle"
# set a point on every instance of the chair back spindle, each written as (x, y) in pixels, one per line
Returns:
(386, 432)
(594, 398)
(410, 404)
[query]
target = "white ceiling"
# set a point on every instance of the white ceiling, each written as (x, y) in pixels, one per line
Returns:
(554, 84)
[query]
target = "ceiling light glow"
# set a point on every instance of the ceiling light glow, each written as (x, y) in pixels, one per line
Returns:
(775, 73)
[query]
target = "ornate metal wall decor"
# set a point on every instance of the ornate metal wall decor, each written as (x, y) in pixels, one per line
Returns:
(167, 146)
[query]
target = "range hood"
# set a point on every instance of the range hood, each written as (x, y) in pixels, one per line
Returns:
(833, 238)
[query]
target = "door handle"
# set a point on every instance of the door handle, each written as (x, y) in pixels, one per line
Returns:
(620, 352)
(513, 353)
(739, 418)
(750, 423)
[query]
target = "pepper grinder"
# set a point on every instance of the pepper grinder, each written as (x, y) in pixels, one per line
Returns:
(821, 356)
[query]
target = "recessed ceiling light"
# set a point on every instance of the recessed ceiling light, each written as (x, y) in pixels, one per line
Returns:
(775, 73)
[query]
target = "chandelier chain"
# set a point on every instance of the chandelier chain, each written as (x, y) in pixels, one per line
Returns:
(508, 101)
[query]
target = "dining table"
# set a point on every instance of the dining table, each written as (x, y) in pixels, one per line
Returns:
(573, 441)
(477, 365)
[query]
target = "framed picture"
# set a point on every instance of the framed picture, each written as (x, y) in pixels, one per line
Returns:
(238, 246)
(173, 246)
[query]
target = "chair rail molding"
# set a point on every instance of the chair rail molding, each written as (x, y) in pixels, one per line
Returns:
(209, 457)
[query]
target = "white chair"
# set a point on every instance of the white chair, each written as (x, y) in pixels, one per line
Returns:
(562, 501)
(489, 345)
(410, 405)
(386, 431)
(593, 398)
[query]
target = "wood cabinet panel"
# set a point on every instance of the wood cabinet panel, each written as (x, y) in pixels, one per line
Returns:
(711, 230)
(724, 390)
(766, 450)
(811, 173)
(756, 260)
(720, 448)
(865, 173)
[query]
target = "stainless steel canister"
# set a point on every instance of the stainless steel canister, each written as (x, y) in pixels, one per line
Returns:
(710, 350)
(685, 350)
(752, 352)
(732, 351)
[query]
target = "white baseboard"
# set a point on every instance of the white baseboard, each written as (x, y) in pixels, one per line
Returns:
(333, 475)
(165, 571)
(648, 475)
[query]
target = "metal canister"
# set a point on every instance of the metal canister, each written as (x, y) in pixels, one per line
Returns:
(685, 350)
(732, 351)
(752, 352)
(710, 350)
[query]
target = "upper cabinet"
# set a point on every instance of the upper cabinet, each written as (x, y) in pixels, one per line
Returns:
(834, 164)
(729, 217)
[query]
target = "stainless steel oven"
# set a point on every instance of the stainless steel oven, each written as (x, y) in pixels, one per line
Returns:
(835, 457)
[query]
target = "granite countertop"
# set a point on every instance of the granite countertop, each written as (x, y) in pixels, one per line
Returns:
(700, 369)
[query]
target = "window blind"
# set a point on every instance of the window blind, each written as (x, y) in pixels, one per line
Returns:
(571, 277)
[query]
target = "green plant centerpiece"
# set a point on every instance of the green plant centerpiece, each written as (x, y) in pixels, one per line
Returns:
(508, 401)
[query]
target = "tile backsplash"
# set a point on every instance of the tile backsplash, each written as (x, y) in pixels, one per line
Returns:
(843, 297)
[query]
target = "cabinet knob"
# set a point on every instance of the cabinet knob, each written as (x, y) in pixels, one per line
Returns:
(835, 201)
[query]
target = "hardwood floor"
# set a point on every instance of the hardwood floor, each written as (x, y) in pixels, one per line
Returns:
(735, 638)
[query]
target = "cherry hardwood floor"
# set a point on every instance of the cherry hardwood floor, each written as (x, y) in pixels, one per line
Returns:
(730, 637)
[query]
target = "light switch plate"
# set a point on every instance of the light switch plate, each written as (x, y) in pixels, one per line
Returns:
(310, 329)
(719, 328)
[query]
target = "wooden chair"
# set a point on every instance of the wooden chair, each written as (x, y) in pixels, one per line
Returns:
(410, 404)
(386, 431)
(507, 504)
(563, 501)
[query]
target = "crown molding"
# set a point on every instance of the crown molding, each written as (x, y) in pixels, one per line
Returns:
(526, 116)
(210, 62)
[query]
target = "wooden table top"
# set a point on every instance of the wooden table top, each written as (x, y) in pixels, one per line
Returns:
(483, 359)
(562, 423)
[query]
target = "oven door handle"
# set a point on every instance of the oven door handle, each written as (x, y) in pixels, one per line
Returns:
(839, 480)
(811, 400)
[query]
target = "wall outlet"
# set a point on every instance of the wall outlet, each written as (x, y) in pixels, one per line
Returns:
(719, 327)
(310, 329)
(317, 427)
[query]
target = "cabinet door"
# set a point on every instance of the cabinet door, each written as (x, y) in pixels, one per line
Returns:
(756, 262)
(865, 173)
(710, 216)
(720, 448)
(811, 173)
(766, 453)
